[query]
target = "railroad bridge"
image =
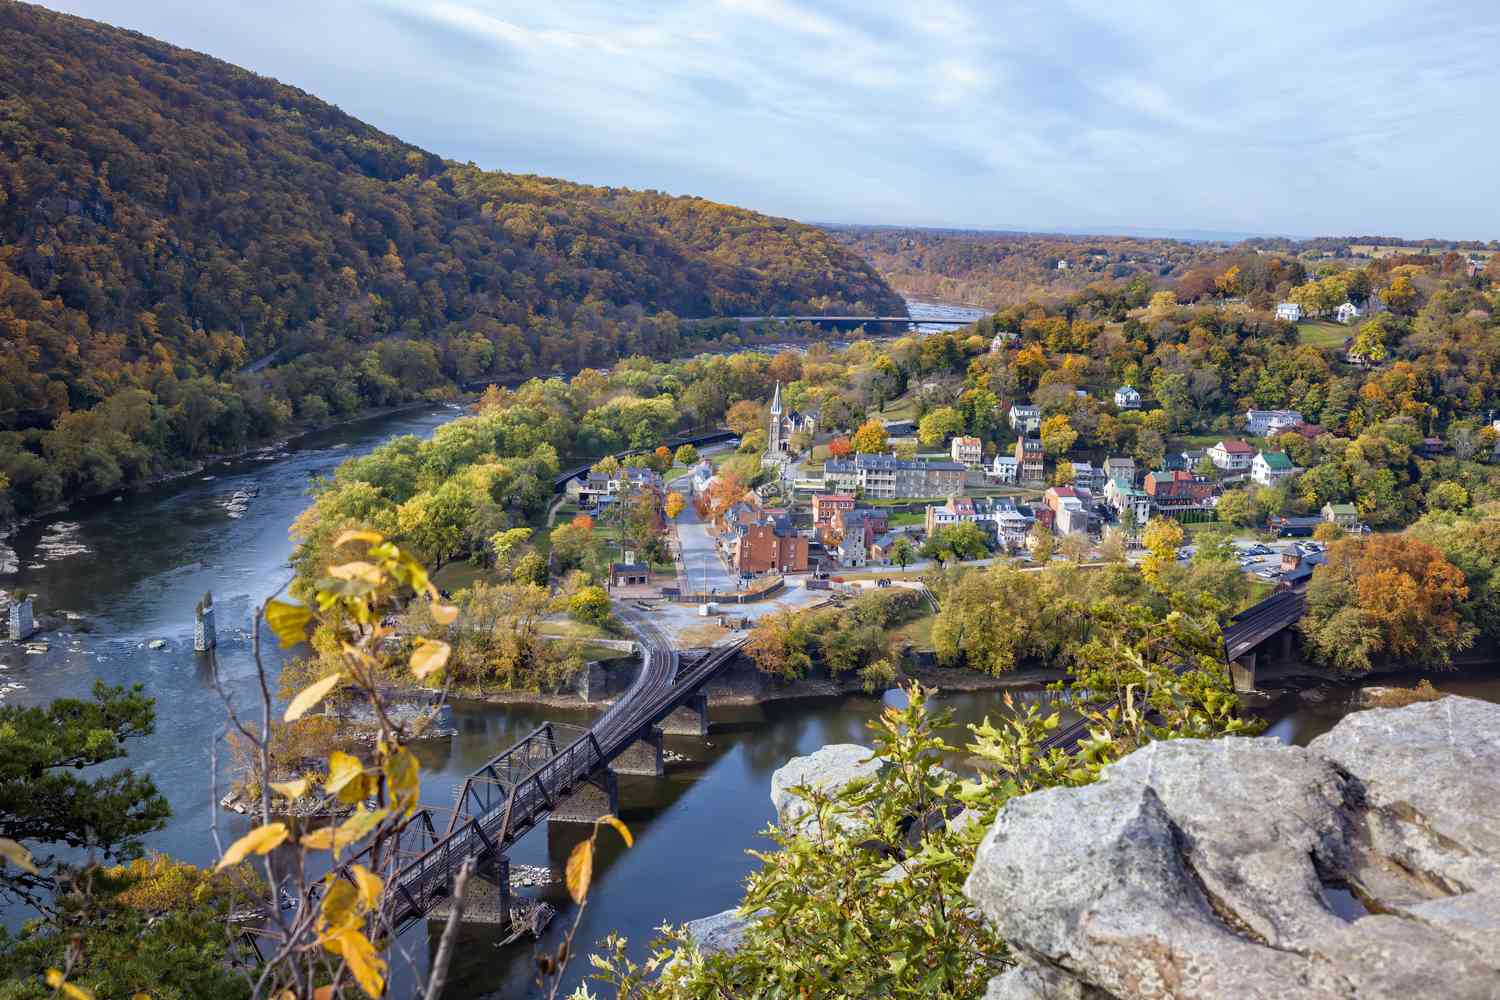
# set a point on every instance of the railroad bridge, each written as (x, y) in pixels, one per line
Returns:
(1263, 633)
(562, 773)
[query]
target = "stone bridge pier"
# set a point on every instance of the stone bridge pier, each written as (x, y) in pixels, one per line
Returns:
(487, 896)
(689, 719)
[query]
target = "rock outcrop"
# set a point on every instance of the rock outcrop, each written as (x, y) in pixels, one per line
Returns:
(827, 769)
(1364, 865)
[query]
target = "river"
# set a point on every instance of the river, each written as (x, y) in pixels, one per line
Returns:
(133, 569)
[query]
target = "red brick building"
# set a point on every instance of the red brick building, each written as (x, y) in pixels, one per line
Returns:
(826, 505)
(769, 545)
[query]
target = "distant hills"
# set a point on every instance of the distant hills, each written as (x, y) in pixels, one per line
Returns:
(237, 254)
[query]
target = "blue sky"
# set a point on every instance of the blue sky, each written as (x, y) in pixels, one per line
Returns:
(1270, 117)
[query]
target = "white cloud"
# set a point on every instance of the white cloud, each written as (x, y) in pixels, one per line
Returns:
(1278, 116)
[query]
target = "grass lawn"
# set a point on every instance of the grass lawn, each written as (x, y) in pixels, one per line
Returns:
(1199, 440)
(904, 408)
(567, 628)
(900, 518)
(592, 651)
(918, 632)
(461, 574)
(1322, 333)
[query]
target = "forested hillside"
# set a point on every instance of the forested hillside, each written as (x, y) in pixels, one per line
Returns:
(192, 257)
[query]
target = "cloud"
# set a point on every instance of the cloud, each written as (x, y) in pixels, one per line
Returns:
(1277, 116)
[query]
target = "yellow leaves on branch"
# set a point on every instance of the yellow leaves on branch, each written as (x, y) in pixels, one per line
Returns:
(579, 872)
(16, 855)
(345, 906)
(351, 831)
(429, 657)
(288, 621)
(309, 696)
(59, 983)
(258, 841)
(292, 789)
(347, 778)
(360, 955)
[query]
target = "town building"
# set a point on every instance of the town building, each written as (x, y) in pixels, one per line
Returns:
(1001, 341)
(1070, 507)
(998, 515)
(1123, 496)
(888, 477)
(1289, 311)
(1181, 495)
(968, 450)
(593, 488)
(1260, 423)
(1127, 398)
(782, 426)
(1120, 469)
(766, 542)
(882, 550)
(1345, 515)
(1025, 418)
(1029, 460)
(1004, 469)
(629, 574)
(1271, 467)
(826, 505)
(1089, 476)
(1231, 455)
(867, 522)
(1347, 313)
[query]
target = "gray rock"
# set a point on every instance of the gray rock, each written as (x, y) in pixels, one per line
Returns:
(828, 769)
(1200, 869)
(718, 933)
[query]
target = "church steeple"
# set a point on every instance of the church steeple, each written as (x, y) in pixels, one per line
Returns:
(776, 401)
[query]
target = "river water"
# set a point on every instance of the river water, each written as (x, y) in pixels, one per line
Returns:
(132, 571)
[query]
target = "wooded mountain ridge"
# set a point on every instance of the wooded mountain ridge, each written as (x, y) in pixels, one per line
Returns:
(214, 254)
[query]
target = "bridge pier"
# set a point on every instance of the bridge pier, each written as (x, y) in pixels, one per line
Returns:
(596, 797)
(1242, 672)
(644, 756)
(690, 719)
(1288, 640)
(486, 896)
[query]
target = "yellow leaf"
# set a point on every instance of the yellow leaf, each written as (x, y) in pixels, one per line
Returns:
(291, 789)
(357, 570)
(56, 980)
(310, 696)
(257, 841)
(444, 614)
(368, 884)
(369, 537)
(362, 822)
(429, 657)
(344, 770)
(580, 870)
(403, 775)
(368, 967)
(620, 827)
(147, 996)
(288, 621)
(16, 855)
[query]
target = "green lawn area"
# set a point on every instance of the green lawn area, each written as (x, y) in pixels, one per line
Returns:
(904, 408)
(918, 632)
(461, 574)
(567, 628)
(900, 518)
(1198, 440)
(1322, 333)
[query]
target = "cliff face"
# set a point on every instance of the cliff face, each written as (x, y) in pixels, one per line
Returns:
(1364, 865)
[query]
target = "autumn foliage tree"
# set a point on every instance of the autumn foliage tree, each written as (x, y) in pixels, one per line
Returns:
(1386, 597)
(871, 438)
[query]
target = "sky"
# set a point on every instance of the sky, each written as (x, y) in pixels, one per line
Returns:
(1272, 116)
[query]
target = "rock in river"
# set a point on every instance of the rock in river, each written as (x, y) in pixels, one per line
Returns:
(1208, 869)
(827, 769)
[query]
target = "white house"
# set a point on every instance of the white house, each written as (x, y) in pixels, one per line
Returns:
(1289, 311)
(1005, 468)
(967, 450)
(1347, 313)
(1232, 456)
(1000, 341)
(1025, 418)
(1126, 398)
(1271, 467)
(1259, 423)
(1062, 265)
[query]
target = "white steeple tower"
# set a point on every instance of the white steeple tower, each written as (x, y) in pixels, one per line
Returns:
(773, 432)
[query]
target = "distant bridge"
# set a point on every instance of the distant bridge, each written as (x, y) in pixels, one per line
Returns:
(839, 320)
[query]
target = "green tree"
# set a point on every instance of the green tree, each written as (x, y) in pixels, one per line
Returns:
(46, 802)
(957, 543)
(903, 552)
(1162, 537)
(938, 425)
(1057, 435)
(591, 606)
(686, 455)
(1237, 508)
(530, 568)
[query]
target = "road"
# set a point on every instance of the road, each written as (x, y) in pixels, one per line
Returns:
(700, 557)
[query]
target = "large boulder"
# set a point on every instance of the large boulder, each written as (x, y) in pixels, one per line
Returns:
(1233, 867)
(827, 769)
(720, 932)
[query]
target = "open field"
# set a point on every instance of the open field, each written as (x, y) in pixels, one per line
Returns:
(1322, 333)
(918, 632)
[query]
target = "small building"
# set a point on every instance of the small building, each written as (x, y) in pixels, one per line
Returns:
(881, 549)
(1025, 418)
(1294, 527)
(1347, 313)
(1345, 515)
(1005, 469)
(1062, 265)
(1001, 341)
(1089, 476)
(1029, 459)
(1289, 311)
(629, 574)
(1181, 495)
(1119, 469)
(1232, 455)
(852, 550)
(1261, 423)
(1127, 398)
(1271, 467)
(825, 506)
(968, 450)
